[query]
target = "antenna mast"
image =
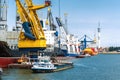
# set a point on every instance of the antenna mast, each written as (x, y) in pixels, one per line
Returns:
(99, 30)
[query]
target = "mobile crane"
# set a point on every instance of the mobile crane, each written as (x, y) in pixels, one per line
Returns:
(32, 38)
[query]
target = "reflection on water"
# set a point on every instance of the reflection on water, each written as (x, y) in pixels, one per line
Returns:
(100, 67)
(0, 78)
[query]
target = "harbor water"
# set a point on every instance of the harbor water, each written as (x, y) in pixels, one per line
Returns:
(100, 67)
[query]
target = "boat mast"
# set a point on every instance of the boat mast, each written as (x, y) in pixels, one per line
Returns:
(99, 35)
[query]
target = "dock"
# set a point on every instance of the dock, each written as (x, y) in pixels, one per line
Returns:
(60, 66)
(20, 66)
(60, 63)
(63, 66)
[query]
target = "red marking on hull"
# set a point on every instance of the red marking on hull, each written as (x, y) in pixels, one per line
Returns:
(4, 61)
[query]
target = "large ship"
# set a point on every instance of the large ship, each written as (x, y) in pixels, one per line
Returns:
(68, 42)
(10, 37)
(6, 56)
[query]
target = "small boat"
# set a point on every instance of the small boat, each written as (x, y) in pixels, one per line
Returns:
(43, 65)
(83, 55)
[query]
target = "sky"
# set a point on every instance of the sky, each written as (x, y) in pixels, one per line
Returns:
(83, 17)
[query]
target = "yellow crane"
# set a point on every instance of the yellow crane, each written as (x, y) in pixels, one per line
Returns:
(32, 38)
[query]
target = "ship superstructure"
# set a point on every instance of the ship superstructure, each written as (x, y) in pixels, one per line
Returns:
(3, 20)
(70, 41)
(73, 45)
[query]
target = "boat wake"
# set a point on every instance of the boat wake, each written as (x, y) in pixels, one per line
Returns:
(85, 66)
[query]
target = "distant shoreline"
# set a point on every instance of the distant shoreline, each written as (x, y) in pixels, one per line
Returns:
(110, 52)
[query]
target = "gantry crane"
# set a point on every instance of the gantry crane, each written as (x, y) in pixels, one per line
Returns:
(85, 41)
(32, 38)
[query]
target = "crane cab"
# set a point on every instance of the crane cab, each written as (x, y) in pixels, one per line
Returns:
(47, 2)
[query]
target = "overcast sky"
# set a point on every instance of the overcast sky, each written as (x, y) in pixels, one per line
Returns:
(83, 17)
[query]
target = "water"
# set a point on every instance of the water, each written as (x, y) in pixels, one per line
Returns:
(100, 67)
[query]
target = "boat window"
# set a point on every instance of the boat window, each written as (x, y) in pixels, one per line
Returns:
(42, 65)
(46, 61)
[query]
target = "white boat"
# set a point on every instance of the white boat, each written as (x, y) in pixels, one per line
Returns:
(83, 55)
(44, 64)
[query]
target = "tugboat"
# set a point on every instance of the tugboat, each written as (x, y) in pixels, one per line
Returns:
(47, 64)
(43, 65)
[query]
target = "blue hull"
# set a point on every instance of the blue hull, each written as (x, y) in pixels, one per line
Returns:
(69, 54)
(72, 54)
(65, 53)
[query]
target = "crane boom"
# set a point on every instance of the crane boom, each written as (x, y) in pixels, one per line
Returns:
(50, 20)
(62, 28)
(33, 36)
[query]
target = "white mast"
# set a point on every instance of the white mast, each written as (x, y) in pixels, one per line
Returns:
(99, 35)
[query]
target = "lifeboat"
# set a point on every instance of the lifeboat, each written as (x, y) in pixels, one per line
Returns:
(90, 51)
(23, 58)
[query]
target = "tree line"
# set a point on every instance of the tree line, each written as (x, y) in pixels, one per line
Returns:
(114, 48)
